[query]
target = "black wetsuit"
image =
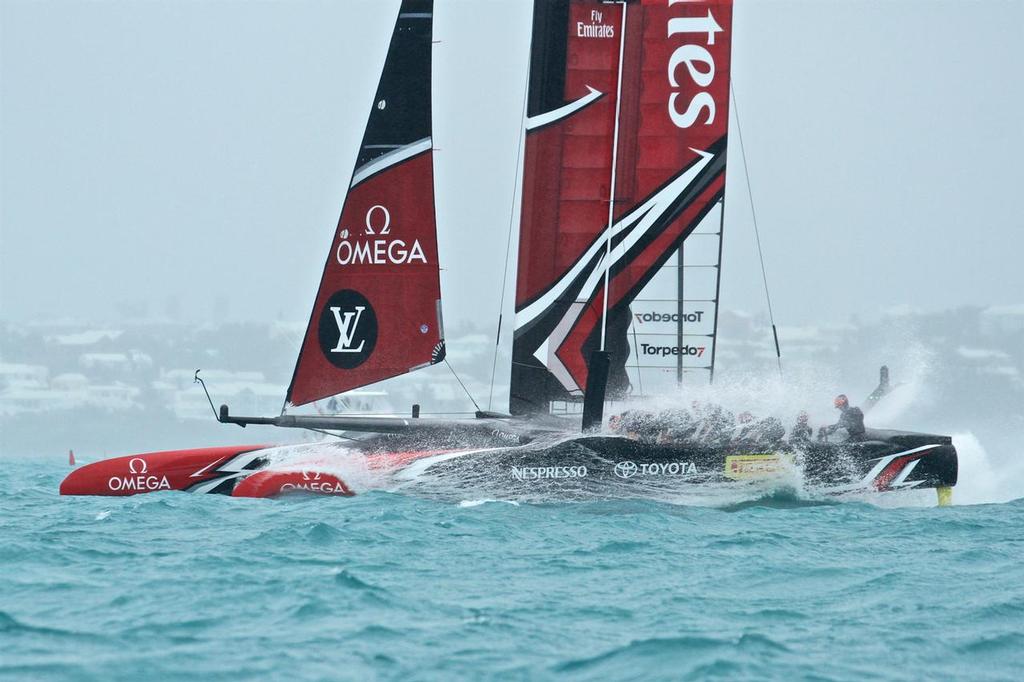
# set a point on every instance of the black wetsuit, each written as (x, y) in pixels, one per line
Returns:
(851, 419)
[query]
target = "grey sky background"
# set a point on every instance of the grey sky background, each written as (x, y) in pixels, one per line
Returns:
(190, 159)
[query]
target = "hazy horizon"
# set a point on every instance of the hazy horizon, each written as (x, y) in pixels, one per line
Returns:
(190, 159)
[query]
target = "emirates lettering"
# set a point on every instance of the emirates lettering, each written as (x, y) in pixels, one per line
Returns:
(700, 67)
(595, 29)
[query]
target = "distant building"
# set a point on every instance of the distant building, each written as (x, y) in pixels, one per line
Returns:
(67, 391)
(84, 338)
(245, 392)
(1002, 319)
(14, 374)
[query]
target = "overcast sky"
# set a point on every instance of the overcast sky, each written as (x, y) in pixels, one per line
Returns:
(191, 158)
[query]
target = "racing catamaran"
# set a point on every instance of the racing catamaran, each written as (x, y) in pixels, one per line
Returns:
(623, 184)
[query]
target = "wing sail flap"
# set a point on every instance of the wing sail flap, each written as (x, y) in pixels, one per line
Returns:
(669, 173)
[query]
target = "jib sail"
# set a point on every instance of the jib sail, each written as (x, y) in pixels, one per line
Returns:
(377, 312)
(636, 92)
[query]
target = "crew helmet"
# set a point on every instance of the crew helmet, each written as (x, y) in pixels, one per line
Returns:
(841, 402)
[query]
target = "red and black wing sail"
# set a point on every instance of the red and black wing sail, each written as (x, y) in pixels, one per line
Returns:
(377, 312)
(669, 163)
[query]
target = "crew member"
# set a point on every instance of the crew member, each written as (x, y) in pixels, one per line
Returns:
(850, 418)
(627, 424)
(743, 434)
(715, 427)
(675, 426)
(802, 432)
(769, 432)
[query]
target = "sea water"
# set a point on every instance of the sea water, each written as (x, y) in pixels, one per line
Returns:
(779, 585)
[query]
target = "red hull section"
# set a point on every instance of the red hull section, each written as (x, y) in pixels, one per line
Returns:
(240, 471)
(155, 471)
(279, 483)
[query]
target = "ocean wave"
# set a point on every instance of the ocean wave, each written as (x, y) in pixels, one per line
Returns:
(684, 655)
(396, 586)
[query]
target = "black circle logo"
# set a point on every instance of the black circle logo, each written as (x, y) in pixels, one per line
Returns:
(348, 329)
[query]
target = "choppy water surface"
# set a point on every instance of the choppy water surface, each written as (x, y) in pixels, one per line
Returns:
(394, 586)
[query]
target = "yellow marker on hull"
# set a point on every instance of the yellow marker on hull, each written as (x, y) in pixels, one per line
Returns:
(945, 495)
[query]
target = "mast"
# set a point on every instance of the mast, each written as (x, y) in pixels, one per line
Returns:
(611, 186)
(600, 361)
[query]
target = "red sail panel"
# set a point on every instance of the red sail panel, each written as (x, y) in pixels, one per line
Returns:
(566, 178)
(568, 159)
(670, 168)
(377, 313)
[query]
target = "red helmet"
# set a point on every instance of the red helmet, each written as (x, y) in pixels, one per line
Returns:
(841, 402)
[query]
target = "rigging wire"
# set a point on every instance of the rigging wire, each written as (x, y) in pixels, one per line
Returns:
(611, 184)
(196, 379)
(639, 372)
(757, 233)
(328, 433)
(718, 289)
(508, 239)
(455, 374)
(296, 343)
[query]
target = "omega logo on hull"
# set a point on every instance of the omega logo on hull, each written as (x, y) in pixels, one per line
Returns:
(139, 480)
